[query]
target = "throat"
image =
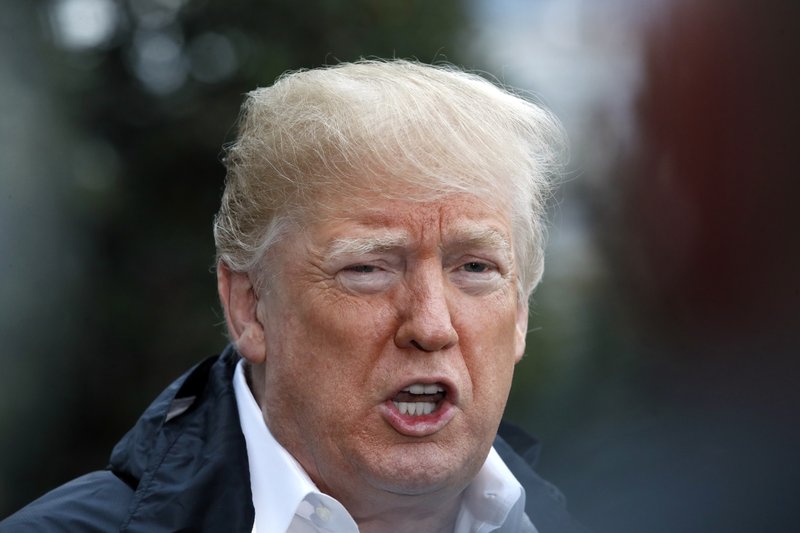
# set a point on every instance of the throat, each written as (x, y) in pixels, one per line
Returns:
(435, 515)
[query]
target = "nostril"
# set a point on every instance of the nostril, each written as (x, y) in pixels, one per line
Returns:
(425, 334)
(433, 346)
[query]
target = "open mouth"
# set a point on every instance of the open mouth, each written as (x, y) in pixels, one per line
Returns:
(421, 409)
(420, 399)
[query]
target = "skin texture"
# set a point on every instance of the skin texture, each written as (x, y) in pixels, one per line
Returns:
(375, 296)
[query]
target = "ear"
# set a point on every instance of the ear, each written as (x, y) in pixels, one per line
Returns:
(240, 303)
(521, 330)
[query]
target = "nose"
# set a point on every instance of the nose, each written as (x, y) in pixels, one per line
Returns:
(426, 323)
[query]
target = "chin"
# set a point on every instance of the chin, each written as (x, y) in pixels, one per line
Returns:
(420, 468)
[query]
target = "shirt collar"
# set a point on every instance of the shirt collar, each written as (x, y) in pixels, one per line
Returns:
(282, 489)
(494, 501)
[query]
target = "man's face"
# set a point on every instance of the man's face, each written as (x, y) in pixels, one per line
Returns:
(391, 336)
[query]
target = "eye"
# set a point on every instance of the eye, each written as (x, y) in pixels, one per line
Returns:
(477, 277)
(476, 267)
(362, 269)
(360, 278)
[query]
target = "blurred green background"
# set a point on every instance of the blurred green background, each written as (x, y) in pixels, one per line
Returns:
(662, 366)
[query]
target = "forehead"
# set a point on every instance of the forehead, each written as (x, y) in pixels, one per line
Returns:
(452, 219)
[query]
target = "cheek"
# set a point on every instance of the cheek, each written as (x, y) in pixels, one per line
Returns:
(488, 344)
(328, 349)
(341, 328)
(490, 324)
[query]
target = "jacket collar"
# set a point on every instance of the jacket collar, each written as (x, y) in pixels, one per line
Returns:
(186, 456)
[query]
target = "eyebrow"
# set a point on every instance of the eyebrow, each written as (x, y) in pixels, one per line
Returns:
(465, 237)
(481, 237)
(374, 244)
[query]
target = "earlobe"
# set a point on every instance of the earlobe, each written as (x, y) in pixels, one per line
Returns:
(240, 304)
(521, 331)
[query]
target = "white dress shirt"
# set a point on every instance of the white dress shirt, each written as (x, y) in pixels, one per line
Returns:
(285, 498)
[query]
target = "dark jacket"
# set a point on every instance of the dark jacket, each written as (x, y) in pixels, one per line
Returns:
(183, 467)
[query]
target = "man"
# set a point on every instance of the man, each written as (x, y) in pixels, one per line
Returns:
(379, 236)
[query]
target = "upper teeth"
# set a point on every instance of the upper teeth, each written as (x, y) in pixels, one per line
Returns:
(419, 388)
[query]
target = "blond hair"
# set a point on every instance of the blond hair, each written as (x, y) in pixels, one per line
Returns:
(360, 126)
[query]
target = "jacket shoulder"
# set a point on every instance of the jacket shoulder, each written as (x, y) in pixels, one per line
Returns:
(545, 505)
(187, 458)
(182, 467)
(97, 501)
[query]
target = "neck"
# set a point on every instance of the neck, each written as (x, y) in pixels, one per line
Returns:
(412, 517)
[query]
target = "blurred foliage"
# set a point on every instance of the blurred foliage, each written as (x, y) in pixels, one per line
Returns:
(140, 101)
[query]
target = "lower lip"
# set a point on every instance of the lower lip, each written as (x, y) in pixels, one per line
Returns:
(418, 426)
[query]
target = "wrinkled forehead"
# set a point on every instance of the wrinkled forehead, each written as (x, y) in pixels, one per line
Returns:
(386, 203)
(378, 199)
(374, 224)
